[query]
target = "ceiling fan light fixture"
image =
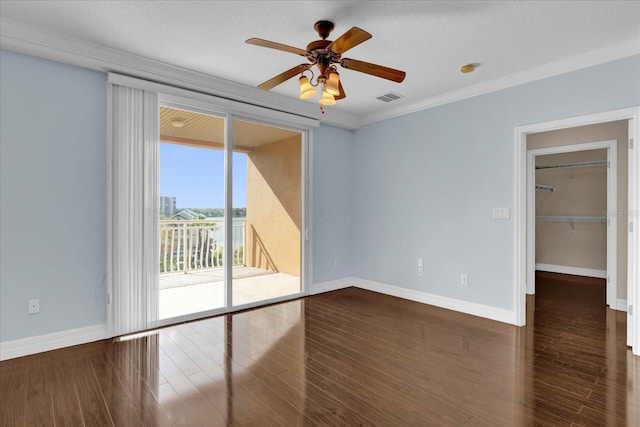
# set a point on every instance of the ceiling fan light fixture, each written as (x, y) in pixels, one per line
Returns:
(327, 99)
(306, 89)
(325, 55)
(331, 86)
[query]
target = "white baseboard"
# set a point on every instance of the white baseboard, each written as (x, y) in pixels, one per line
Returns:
(576, 271)
(56, 340)
(53, 341)
(621, 305)
(480, 310)
(319, 288)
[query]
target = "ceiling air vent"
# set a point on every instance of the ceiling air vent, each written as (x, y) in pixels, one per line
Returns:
(391, 96)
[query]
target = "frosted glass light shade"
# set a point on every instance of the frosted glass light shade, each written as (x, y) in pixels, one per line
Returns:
(306, 90)
(332, 84)
(327, 99)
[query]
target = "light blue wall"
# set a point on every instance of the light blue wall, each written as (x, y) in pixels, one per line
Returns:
(419, 185)
(331, 194)
(52, 196)
(425, 184)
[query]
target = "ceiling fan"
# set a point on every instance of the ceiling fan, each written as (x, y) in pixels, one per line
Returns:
(324, 54)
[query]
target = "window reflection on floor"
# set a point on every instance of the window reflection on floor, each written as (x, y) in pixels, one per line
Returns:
(227, 360)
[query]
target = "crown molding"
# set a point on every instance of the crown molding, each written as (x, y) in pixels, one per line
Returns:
(21, 38)
(34, 41)
(594, 57)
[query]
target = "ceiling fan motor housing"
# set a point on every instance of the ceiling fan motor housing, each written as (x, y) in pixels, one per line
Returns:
(318, 49)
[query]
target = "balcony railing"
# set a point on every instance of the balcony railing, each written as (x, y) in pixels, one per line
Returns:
(195, 245)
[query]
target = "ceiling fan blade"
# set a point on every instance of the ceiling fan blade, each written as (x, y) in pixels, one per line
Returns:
(373, 69)
(277, 46)
(341, 95)
(283, 77)
(350, 39)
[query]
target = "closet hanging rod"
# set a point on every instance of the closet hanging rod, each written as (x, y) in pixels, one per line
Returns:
(572, 218)
(574, 165)
(541, 187)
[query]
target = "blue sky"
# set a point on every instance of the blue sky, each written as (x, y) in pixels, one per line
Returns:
(195, 176)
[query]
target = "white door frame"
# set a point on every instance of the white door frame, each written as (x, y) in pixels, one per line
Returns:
(612, 203)
(520, 210)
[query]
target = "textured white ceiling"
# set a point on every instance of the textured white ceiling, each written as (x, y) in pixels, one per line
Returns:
(429, 40)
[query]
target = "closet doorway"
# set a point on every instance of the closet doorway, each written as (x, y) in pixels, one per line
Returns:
(573, 131)
(571, 194)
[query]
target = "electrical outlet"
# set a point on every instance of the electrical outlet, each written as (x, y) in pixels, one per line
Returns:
(34, 306)
(336, 263)
(420, 267)
(464, 279)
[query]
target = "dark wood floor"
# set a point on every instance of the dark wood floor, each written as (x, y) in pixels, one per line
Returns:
(349, 357)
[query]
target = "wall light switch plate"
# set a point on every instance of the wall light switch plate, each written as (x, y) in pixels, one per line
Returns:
(501, 213)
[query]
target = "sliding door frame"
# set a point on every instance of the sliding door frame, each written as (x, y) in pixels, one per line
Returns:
(210, 107)
(305, 177)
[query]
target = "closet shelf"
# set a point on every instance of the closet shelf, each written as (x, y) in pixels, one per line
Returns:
(574, 165)
(572, 218)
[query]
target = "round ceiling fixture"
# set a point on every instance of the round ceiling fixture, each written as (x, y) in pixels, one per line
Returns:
(177, 122)
(468, 68)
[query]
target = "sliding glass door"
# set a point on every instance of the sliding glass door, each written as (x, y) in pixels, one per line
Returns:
(253, 170)
(267, 208)
(192, 205)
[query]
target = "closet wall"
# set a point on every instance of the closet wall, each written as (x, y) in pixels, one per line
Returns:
(618, 131)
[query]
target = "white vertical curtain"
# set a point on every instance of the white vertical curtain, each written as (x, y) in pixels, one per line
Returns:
(133, 206)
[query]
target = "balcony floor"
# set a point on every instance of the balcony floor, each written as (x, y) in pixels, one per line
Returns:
(203, 290)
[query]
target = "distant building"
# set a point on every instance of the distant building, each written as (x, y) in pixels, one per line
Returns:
(167, 205)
